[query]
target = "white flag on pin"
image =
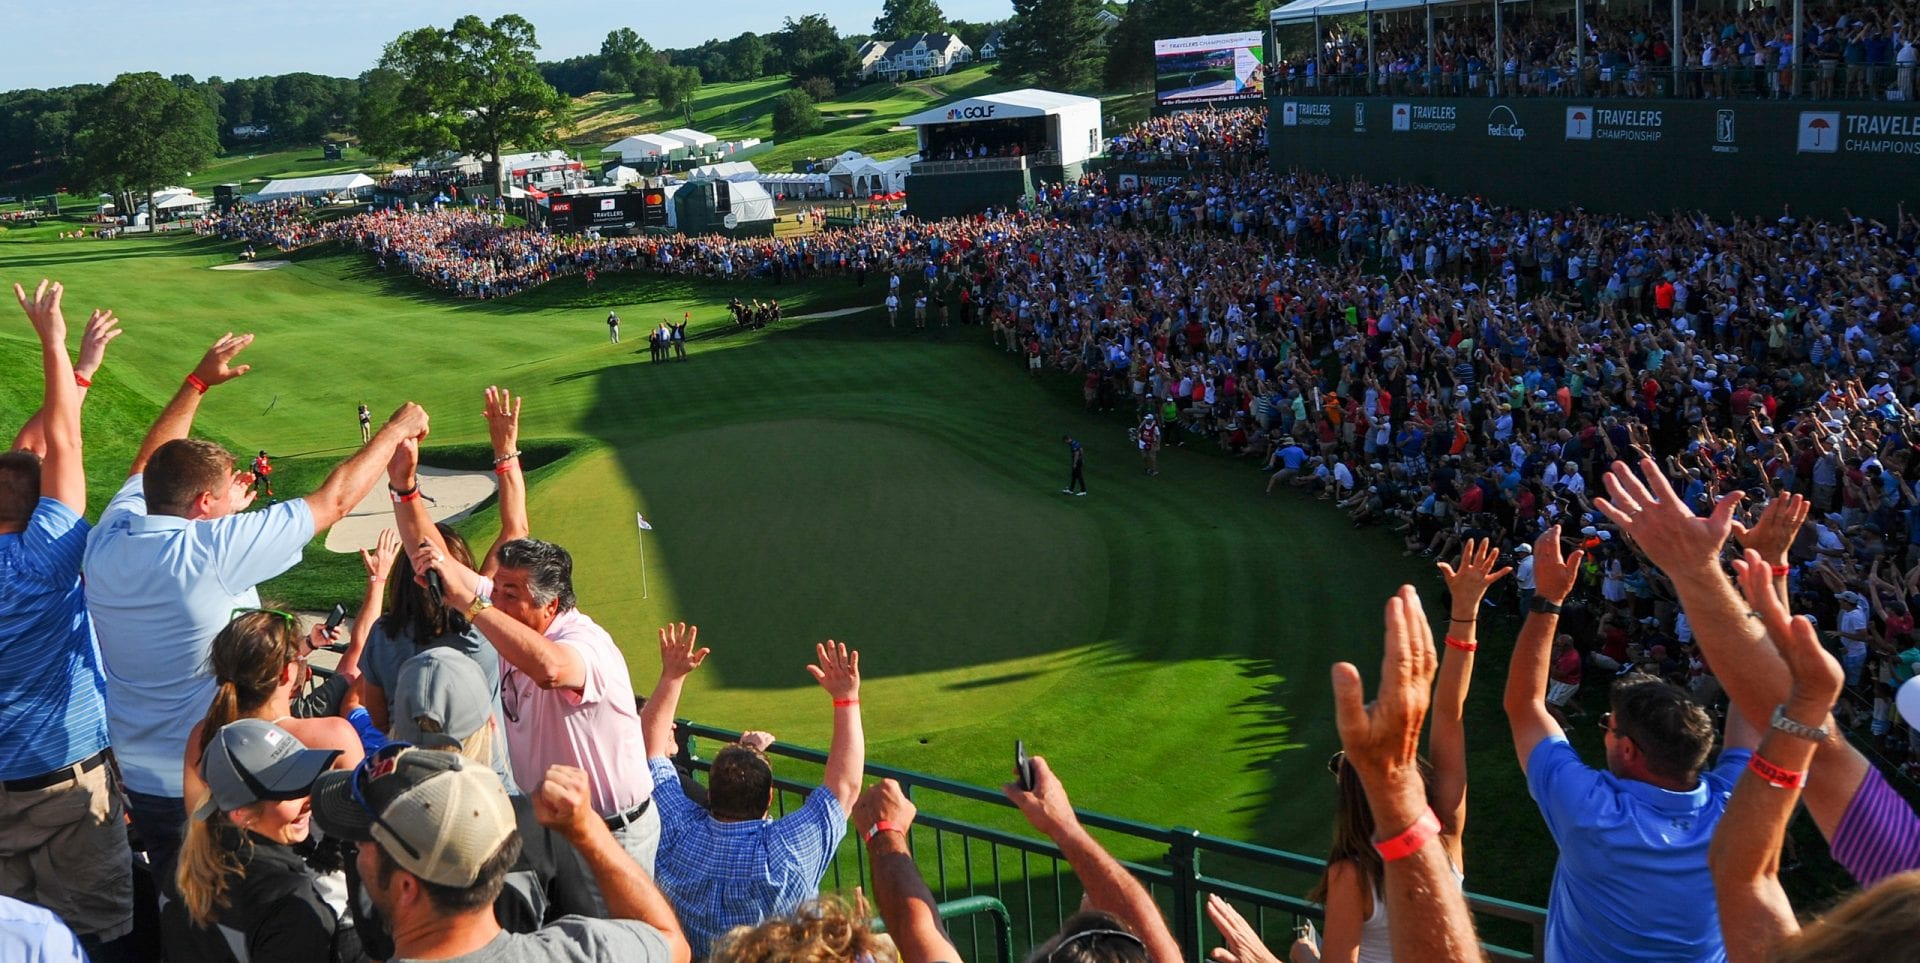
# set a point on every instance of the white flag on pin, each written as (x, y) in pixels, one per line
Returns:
(645, 525)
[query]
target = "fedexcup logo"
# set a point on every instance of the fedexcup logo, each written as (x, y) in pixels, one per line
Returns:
(1501, 122)
(1819, 131)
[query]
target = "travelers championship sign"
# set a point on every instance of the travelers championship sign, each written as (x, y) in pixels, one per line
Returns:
(1630, 156)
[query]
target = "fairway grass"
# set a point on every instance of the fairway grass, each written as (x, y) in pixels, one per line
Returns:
(1163, 641)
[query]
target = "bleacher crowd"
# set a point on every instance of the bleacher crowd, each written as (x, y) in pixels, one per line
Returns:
(1662, 436)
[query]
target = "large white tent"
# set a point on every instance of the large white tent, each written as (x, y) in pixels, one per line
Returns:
(327, 185)
(641, 147)
(693, 139)
(727, 171)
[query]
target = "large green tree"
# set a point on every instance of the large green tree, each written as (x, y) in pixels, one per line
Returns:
(898, 18)
(1053, 43)
(474, 88)
(813, 49)
(631, 59)
(676, 86)
(141, 133)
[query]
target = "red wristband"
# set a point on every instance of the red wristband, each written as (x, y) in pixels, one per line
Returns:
(843, 703)
(880, 827)
(1464, 646)
(399, 499)
(1780, 571)
(197, 384)
(1775, 776)
(82, 380)
(506, 466)
(1407, 843)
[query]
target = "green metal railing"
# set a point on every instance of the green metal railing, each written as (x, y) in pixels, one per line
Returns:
(970, 906)
(965, 857)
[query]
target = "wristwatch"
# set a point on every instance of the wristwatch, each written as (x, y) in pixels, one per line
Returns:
(1542, 604)
(1797, 730)
(480, 604)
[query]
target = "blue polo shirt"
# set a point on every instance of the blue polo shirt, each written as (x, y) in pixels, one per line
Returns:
(1626, 846)
(52, 699)
(720, 875)
(159, 588)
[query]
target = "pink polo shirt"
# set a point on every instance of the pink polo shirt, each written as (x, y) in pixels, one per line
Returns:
(596, 728)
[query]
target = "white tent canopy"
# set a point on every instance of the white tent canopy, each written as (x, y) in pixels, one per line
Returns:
(727, 171)
(643, 147)
(622, 175)
(314, 186)
(1304, 11)
(1026, 102)
(751, 202)
(690, 137)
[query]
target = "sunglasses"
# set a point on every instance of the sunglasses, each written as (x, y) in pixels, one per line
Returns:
(1606, 722)
(292, 623)
(1335, 761)
(373, 767)
(1094, 935)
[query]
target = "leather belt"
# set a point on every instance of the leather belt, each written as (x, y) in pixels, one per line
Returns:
(63, 774)
(620, 821)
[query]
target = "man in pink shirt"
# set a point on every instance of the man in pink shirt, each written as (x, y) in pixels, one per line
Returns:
(564, 690)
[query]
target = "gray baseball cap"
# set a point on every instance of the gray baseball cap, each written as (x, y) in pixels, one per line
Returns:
(250, 761)
(446, 688)
(436, 814)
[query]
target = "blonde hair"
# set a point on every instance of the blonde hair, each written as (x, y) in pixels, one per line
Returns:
(206, 865)
(825, 930)
(247, 659)
(477, 747)
(1873, 924)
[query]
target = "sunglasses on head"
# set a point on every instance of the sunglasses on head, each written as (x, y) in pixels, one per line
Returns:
(292, 623)
(1094, 935)
(373, 767)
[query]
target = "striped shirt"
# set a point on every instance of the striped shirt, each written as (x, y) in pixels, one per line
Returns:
(1879, 836)
(720, 875)
(52, 696)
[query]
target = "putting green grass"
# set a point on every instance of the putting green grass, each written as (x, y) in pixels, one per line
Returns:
(1164, 641)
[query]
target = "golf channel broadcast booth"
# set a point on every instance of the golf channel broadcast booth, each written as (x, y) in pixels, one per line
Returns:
(995, 150)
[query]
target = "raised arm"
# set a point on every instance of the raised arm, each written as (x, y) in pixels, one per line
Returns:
(377, 563)
(352, 479)
(1109, 887)
(1755, 914)
(679, 656)
(62, 476)
(102, 328)
(503, 429)
(549, 664)
(1526, 697)
(564, 804)
(1424, 903)
(883, 815)
(1468, 584)
(176, 419)
(837, 669)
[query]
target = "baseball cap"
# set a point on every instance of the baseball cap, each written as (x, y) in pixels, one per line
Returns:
(443, 686)
(436, 814)
(251, 760)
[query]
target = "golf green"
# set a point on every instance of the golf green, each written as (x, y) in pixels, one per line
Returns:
(1163, 641)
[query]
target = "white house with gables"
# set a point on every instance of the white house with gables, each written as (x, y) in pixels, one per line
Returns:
(916, 55)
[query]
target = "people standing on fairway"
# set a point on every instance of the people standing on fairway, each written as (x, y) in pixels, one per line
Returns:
(262, 474)
(1351, 888)
(174, 554)
(1149, 435)
(613, 327)
(893, 309)
(366, 423)
(565, 691)
(63, 841)
(727, 864)
(680, 341)
(1076, 463)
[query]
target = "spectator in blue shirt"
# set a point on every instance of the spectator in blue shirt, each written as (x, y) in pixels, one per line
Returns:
(1634, 835)
(173, 555)
(729, 865)
(63, 843)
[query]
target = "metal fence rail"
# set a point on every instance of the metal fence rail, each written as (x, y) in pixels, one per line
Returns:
(966, 858)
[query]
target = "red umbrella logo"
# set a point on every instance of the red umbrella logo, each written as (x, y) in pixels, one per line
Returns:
(1819, 126)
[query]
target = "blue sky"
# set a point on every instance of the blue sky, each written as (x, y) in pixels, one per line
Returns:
(90, 41)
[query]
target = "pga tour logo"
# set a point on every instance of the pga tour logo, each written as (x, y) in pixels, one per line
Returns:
(1402, 117)
(1579, 123)
(1360, 118)
(1819, 131)
(1723, 127)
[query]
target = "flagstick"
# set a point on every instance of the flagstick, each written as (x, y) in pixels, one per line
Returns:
(643, 562)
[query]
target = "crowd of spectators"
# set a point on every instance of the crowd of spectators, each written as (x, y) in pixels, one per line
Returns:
(431, 182)
(1233, 136)
(1866, 52)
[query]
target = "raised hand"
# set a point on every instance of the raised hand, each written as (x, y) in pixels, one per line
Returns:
(410, 419)
(1242, 944)
(837, 669)
(102, 328)
(1554, 576)
(1653, 515)
(1773, 534)
(1047, 807)
(216, 366)
(385, 550)
(1469, 582)
(884, 801)
(1382, 737)
(503, 421)
(43, 310)
(678, 653)
(1817, 677)
(403, 463)
(240, 490)
(458, 583)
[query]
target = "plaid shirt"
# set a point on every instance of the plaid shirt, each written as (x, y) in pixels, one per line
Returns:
(720, 875)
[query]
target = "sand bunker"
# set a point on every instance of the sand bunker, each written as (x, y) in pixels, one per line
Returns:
(835, 313)
(252, 266)
(450, 495)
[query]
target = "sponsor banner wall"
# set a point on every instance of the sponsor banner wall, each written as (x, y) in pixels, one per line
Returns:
(1631, 156)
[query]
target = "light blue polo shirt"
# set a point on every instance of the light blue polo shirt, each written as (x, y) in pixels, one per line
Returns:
(1632, 881)
(52, 705)
(159, 588)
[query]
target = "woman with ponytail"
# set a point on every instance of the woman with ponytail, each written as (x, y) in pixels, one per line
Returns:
(258, 662)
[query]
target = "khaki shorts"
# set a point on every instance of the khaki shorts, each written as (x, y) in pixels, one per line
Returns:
(65, 848)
